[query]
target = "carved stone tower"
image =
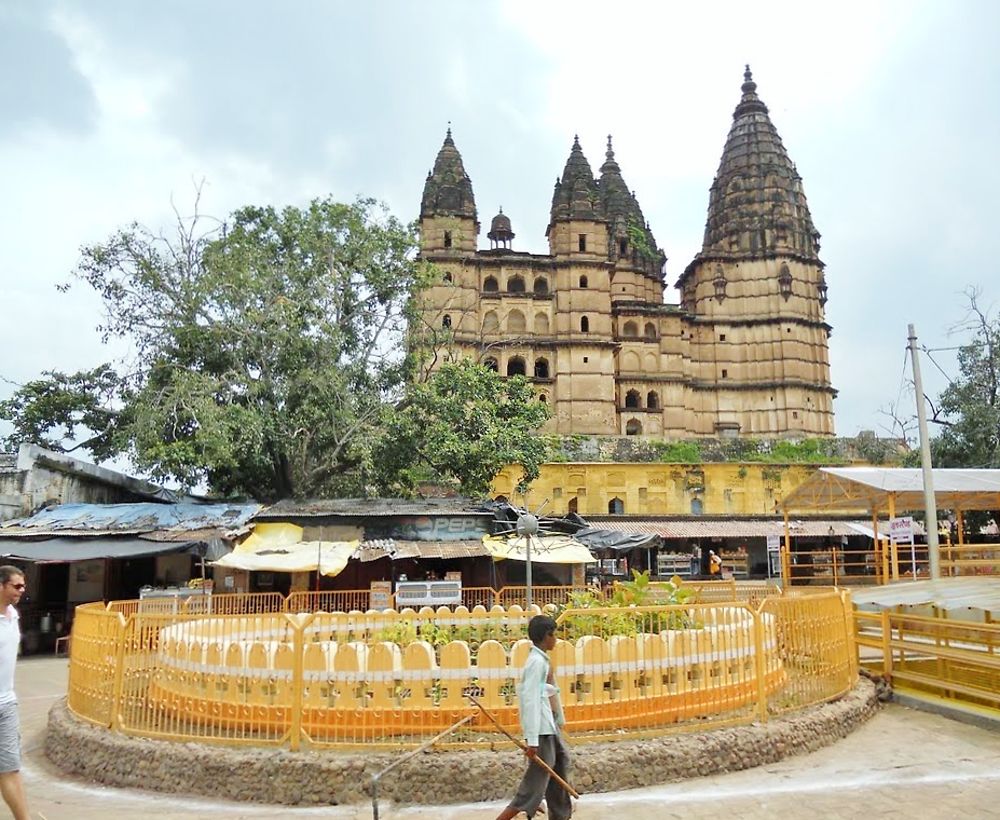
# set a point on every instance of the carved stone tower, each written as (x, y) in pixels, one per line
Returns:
(756, 291)
(578, 243)
(448, 220)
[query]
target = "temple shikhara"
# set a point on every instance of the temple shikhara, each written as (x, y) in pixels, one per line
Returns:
(745, 353)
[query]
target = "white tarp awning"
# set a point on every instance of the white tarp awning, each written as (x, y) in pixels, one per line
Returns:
(945, 593)
(545, 549)
(870, 488)
(328, 557)
(279, 548)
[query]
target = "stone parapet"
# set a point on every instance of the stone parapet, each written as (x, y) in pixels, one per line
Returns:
(278, 776)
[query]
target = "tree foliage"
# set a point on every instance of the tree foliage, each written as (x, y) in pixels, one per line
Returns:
(464, 424)
(265, 349)
(55, 410)
(969, 408)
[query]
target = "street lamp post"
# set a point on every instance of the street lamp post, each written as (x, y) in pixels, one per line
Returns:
(527, 528)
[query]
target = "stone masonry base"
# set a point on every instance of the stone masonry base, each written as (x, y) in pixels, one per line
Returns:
(277, 776)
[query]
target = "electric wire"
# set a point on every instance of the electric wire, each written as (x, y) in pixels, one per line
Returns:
(951, 381)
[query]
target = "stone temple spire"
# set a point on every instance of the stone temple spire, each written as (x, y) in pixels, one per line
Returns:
(448, 189)
(757, 206)
(622, 211)
(576, 195)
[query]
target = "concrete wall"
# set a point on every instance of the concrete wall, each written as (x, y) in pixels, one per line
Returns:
(656, 488)
(38, 477)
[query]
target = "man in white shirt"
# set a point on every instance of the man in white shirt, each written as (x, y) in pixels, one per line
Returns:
(541, 714)
(11, 785)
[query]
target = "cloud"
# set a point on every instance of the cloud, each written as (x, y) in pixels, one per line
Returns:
(42, 86)
(886, 107)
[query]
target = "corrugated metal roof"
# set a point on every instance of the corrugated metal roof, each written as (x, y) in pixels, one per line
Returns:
(58, 532)
(204, 534)
(398, 550)
(946, 593)
(736, 527)
(86, 549)
(369, 508)
(90, 519)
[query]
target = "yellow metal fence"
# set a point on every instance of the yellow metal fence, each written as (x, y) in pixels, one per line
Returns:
(934, 656)
(344, 679)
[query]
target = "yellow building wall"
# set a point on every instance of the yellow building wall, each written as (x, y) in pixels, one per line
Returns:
(739, 489)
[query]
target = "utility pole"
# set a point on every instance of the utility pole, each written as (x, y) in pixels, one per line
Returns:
(930, 503)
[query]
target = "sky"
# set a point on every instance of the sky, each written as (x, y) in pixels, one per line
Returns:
(114, 112)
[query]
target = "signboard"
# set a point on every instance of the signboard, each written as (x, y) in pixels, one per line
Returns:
(901, 530)
(380, 596)
(773, 543)
(430, 528)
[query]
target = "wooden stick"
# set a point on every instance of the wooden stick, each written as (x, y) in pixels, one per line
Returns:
(524, 747)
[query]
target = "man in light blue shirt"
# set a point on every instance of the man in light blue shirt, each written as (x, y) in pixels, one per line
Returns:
(541, 718)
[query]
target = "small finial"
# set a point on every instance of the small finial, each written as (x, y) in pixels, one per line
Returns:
(576, 141)
(501, 209)
(747, 76)
(610, 152)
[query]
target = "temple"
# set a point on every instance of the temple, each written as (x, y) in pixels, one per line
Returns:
(745, 353)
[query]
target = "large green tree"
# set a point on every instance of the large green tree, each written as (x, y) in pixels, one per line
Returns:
(464, 424)
(264, 350)
(969, 408)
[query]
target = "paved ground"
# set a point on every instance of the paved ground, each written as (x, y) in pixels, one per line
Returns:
(902, 764)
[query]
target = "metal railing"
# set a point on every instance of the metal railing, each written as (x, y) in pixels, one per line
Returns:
(950, 659)
(837, 566)
(393, 679)
(970, 559)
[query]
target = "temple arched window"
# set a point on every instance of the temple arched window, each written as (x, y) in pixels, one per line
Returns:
(541, 368)
(515, 284)
(584, 324)
(490, 284)
(541, 286)
(616, 506)
(491, 363)
(491, 322)
(652, 400)
(632, 399)
(446, 321)
(515, 366)
(583, 281)
(631, 329)
(516, 322)
(650, 330)
(633, 428)
(541, 323)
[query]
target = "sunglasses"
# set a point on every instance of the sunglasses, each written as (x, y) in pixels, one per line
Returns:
(17, 586)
